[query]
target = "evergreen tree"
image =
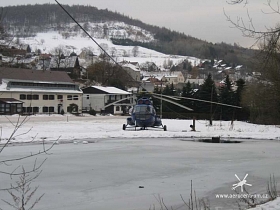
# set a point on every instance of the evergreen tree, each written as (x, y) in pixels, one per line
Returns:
(156, 89)
(186, 91)
(208, 92)
(226, 97)
(244, 113)
(28, 49)
(166, 90)
(172, 90)
(240, 87)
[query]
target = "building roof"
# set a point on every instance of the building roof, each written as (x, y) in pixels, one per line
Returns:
(111, 90)
(131, 66)
(107, 90)
(10, 101)
(170, 76)
(34, 75)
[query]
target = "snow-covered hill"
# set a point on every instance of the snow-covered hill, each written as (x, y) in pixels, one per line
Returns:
(75, 40)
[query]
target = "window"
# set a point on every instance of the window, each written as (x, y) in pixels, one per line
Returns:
(59, 96)
(45, 109)
(75, 97)
(35, 109)
(22, 96)
(29, 109)
(45, 97)
(2, 107)
(29, 97)
(69, 97)
(51, 109)
(51, 97)
(117, 108)
(7, 107)
(19, 107)
(35, 97)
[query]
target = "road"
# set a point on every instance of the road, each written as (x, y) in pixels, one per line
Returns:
(133, 173)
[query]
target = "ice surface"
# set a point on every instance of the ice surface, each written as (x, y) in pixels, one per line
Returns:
(107, 172)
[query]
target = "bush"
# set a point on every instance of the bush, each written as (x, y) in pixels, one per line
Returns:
(62, 112)
(92, 112)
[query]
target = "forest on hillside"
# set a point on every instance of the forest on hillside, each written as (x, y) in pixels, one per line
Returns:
(27, 20)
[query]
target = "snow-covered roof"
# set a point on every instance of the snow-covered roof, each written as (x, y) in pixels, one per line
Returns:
(4, 88)
(146, 78)
(131, 66)
(238, 67)
(170, 76)
(195, 81)
(10, 101)
(111, 90)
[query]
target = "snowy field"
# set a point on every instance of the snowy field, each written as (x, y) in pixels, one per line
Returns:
(97, 165)
(68, 128)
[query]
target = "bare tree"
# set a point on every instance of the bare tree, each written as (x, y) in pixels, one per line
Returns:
(135, 51)
(104, 46)
(266, 38)
(12, 172)
(21, 191)
(268, 64)
(59, 55)
(22, 194)
(113, 51)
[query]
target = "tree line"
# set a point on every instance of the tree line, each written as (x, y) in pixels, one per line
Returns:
(203, 96)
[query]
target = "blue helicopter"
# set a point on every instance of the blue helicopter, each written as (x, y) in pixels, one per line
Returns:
(143, 115)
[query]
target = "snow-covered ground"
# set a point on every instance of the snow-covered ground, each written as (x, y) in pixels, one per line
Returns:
(166, 170)
(69, 128)
(273, 205)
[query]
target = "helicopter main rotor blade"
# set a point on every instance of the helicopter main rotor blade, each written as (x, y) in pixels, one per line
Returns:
(161, 95)
(212, 102)
(117, 101)
(173, 102)
(195, 99)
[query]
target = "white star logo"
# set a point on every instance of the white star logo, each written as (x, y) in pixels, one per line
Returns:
(241, 183)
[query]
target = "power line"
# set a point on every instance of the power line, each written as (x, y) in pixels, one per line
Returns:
(95, 41)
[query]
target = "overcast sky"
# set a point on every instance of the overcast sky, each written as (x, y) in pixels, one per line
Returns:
(203, 19)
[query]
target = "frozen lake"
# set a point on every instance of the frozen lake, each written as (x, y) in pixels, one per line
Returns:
(107, 174)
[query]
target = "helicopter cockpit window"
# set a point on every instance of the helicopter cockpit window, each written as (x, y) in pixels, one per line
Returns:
(144, 110)
(140, 109)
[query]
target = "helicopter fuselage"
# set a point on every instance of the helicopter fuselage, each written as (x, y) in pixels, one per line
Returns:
(144, 115)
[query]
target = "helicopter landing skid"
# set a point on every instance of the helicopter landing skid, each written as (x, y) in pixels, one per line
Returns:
(143, 128)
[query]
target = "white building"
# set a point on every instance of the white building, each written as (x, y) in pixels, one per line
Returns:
(175, 77)
(40, 91)
(132, 71)
(101, 98)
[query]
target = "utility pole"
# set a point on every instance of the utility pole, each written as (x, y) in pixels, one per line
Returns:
(161, 99)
